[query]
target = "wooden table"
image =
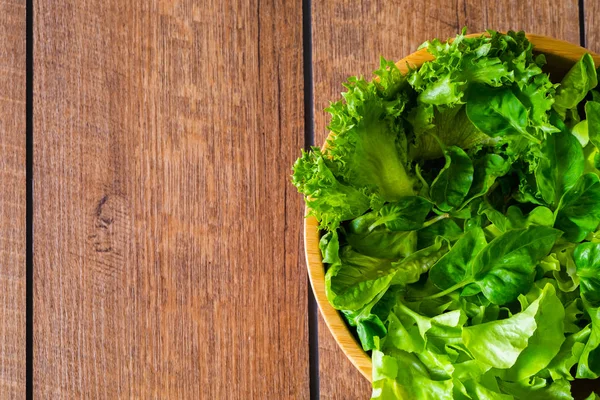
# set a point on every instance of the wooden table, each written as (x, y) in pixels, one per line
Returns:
(150, 240)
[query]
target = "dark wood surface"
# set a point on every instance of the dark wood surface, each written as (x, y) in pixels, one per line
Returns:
(168, 256)
(12, 199)
(168, 261)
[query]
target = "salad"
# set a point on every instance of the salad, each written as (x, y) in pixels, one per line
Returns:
(459, 206)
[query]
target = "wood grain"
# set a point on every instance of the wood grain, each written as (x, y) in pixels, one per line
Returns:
(327, 314)
(166, 230)
(12, 199)
(591, 10)
(349, 37)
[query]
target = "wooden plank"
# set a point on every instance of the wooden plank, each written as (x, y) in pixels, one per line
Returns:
(591, 9)
(349, 37)
(166, 229)
(12, 199)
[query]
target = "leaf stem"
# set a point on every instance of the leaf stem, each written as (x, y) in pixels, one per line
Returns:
(420, 177)
(381, 221)
(492, 188)
(435, 219)
(443, 293)
(530, 136)
(439, 141)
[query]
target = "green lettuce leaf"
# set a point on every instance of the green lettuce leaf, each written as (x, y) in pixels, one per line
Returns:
(368, 145)
(328, 199)
(538, 389)
(401, 375)
(413, 332)
(514, 218)
(410, 269)
(445, 228)
(500, 343)
(587, 260)
(592, 128)
(589, 360)
(330, 247)
(498, 112)
(356, 279)
(450, 126)
(406, 214)
(562, 164)
(455, 266)
(452, 184)
(368, 323)
(486, 170)
(380, 241)
(546, 341)
(578, 212)
(576, 84)
(568, 355)
(505, 267)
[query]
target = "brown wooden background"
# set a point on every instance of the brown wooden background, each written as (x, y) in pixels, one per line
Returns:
(160, 234)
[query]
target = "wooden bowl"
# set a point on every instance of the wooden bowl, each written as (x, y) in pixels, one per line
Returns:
(560, 56)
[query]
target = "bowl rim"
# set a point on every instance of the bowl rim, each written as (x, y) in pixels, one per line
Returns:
(556, 51)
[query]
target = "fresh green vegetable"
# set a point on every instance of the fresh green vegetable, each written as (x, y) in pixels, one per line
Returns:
(560, 166)
(460, 213)
(451, 186)
(505, 267)
(379, 241)
(589, 361)
(578, 212)
(575, 85)
(587, 259)
(500, 343)
(498, 112)
(407, 214)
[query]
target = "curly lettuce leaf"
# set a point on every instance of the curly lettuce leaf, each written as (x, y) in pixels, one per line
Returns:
(368, 144)
(450, 126)
(458, 64)
(328, 199)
